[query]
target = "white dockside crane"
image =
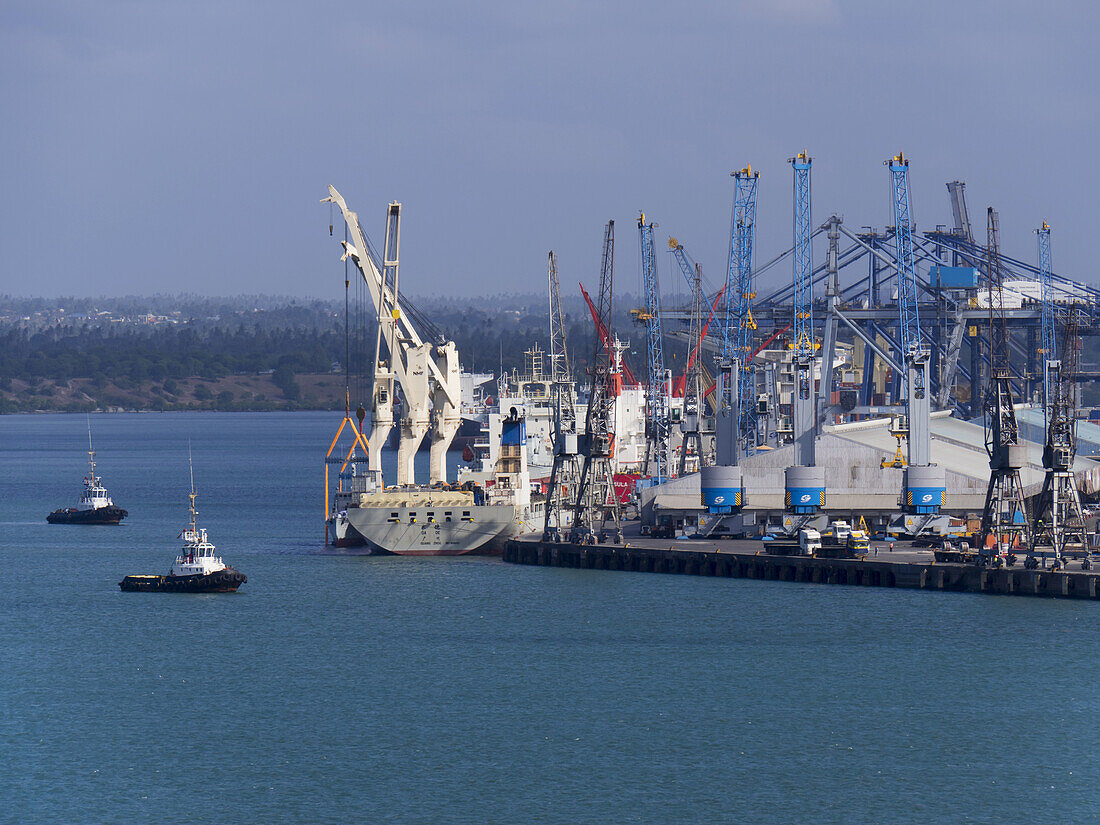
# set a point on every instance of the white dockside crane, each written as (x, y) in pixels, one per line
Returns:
(426, 373)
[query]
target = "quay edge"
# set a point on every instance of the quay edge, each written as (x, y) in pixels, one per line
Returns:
(866, 572)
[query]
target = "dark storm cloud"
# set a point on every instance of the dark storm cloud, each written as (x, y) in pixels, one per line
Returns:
(160, 147)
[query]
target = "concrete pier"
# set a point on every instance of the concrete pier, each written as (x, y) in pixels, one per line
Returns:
(908, 568)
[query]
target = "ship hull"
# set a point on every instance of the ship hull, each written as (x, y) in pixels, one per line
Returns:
(221, 581)
(341, 534)
(403, 531)
(100, 515)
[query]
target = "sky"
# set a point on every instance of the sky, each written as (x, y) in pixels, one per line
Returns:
(165, 147)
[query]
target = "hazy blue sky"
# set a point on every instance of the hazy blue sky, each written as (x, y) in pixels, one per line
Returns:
(153, 147)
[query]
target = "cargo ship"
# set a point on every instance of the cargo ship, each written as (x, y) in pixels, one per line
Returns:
(416, 388)
(477, 516)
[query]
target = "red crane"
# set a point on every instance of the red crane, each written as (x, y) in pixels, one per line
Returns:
(605, 336)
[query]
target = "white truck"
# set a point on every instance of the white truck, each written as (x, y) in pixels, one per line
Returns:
(841, 531)
(806, 542)
(809, 541)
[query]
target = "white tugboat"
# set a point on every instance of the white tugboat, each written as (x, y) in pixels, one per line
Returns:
(196, 570)
(96, 507)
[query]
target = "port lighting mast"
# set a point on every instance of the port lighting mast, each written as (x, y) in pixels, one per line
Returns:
(804, 482)
(563, 474)
(691, 420)
(735, 400)
(596, 500)
(657, 401)
(1005, 520)
(925, 485)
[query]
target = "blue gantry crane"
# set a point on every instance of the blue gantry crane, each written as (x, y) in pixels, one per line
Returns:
(739, 290)
(804, 481)
(924, 489)
(735, 419)
(658, 380)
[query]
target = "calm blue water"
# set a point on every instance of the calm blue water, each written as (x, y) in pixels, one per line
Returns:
(350, 689)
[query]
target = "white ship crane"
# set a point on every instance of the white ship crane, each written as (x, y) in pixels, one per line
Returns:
(428, 374)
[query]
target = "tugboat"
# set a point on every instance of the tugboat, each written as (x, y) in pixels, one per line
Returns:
(197, 569)
(95, 505)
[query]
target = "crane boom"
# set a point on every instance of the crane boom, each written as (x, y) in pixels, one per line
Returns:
(563, 473)
(1005, 518)
(595, 494)
(803, 267)
(903, 255)
(803, 405)
(605, 335)
(561, 373)
(924, 484)
(693, 382)
(657, 381)
(382, 293)
(427, 374)
(1046, 297)
(739, 290)
(915, 353)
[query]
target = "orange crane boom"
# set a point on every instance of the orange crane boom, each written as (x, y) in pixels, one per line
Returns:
(605, 336)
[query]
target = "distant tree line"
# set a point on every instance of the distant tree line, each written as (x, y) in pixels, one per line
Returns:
(64, 351)
(284, 340)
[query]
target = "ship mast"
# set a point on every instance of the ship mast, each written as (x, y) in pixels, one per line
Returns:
(91, 452)
(191, 509)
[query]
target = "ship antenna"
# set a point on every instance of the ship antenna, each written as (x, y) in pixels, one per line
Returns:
(91, 452)
(191, 467)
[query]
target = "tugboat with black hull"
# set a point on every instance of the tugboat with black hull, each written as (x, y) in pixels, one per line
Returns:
(196, 570)
(96, 507)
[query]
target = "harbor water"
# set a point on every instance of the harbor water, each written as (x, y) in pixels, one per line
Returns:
(338, 688)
